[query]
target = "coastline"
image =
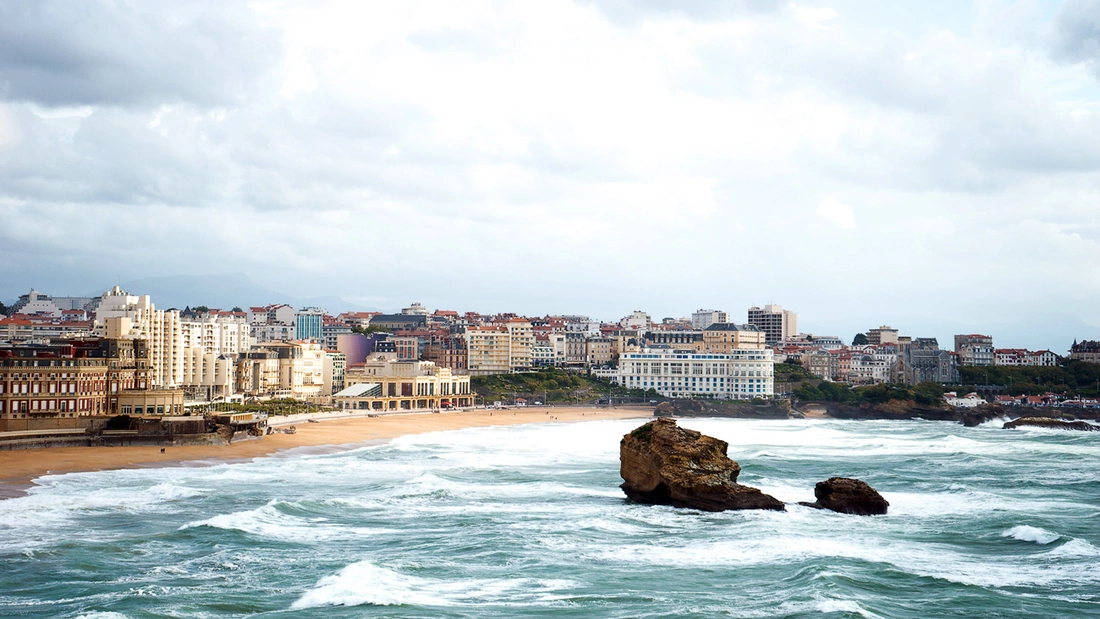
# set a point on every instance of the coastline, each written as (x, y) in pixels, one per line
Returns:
(19, 468)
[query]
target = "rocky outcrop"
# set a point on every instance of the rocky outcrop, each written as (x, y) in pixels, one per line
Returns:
(665, 464)
(1057, 424)
(848, 496)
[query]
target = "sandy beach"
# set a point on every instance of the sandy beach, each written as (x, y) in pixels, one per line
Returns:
(19, 468)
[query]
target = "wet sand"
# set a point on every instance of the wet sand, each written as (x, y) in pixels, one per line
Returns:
(19, 468)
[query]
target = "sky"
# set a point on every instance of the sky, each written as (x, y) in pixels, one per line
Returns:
(932, 165)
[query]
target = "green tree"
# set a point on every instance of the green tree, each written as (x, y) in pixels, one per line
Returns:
(202, 309)
(236, 308)
(859, 340)
(4, 310)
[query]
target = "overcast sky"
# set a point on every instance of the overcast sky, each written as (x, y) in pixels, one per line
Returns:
(935, 167)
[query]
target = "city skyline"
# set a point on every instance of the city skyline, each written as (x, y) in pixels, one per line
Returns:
(933, 167)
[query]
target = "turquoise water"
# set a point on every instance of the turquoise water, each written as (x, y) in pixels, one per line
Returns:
(528, 521)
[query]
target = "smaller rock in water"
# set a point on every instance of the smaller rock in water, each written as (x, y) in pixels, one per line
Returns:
(1057, 424)
(848, 496)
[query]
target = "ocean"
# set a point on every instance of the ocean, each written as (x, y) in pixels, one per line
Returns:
(528, 521)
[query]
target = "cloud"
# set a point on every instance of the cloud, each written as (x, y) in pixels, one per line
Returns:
(123, 52)
(392, 150)
(839, 214)
(1076, 33)
(813, 15)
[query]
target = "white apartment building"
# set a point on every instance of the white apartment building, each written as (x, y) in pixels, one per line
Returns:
(216, 334)
(637, 320)
(740, 374)
(701, 319)
(161, 329)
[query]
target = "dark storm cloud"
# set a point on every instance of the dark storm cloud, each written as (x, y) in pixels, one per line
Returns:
(84, 53)
(1077, 33)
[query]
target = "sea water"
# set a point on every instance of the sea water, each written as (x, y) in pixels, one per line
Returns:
(528, 521)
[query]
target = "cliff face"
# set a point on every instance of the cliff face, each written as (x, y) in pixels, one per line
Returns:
(665, 464)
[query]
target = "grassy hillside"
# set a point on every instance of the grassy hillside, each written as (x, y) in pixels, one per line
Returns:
(551, 385)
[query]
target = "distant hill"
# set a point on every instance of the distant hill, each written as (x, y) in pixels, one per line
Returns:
(223, 291)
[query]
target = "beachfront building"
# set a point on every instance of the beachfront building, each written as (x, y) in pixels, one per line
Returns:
(489, 350)
(121, 315)
(739, 374)
(39, 382)
(386, 385)
(777, 323)
(208, 376)
(520, 340)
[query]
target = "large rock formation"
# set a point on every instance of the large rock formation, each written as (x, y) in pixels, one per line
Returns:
(665, 464)
(1057, 424)
(848, 496)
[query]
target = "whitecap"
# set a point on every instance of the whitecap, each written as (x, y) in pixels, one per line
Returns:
(269, 522)
(1026, 533)
(1075, 548)
(102, 615)
(364, 583)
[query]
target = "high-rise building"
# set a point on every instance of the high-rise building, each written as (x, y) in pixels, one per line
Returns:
(309, 324)
(126, 316)
(777, 323)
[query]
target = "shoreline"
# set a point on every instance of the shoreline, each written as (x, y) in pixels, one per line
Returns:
(20, 468)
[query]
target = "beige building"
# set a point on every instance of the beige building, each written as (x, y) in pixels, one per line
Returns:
(151, 402)
(282, 370)
(778, 324)
(385, 385)
(488, 350)
(598, 350)
(123, 315)
(882, 335)
(520, 340)
(725, 337)
(208, 376)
